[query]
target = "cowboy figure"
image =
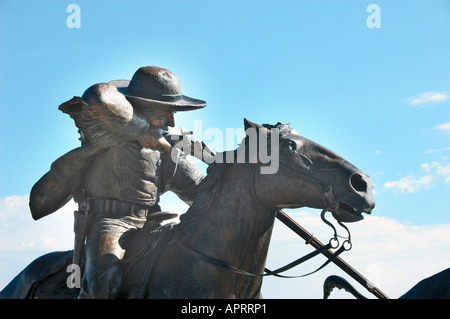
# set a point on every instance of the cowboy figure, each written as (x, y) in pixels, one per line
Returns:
(121, 169)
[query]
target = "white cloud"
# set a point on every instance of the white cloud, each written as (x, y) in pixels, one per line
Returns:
(435, 150)
(438, 169)
(429, 98)
(23, 239)
(20, 232)
(445, 127)
(411, 184)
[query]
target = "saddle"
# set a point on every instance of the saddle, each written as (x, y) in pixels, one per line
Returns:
(143, 247)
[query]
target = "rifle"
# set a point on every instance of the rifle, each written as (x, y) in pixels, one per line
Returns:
(82, 223)
(181, 140)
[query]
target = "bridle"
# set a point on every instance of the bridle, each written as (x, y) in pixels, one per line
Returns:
(330, 205)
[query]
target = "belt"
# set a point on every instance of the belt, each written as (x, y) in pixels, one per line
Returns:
(115, 208)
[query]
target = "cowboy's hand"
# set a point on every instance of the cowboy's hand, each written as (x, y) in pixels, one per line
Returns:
(154, 139)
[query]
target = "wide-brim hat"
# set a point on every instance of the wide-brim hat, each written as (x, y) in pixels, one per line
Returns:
(158, 88)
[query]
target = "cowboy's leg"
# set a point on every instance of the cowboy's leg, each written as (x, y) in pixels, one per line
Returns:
(101, 277)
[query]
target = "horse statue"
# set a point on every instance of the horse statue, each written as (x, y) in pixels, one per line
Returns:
(219, 247)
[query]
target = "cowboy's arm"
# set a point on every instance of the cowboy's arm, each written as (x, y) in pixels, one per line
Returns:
(107, 119)
(182, 178)
(57, 186)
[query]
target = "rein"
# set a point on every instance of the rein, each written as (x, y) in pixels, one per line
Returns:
(332, 244)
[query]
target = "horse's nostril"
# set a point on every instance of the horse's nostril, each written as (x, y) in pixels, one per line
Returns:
(358, 183)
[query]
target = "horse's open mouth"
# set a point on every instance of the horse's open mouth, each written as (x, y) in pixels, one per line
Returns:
(347, 213)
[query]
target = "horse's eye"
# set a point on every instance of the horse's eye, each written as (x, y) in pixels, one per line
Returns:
(288, 147)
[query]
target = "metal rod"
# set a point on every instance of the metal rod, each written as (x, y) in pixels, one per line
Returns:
(317, 244)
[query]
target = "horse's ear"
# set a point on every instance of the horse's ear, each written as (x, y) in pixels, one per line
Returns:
(248, 124)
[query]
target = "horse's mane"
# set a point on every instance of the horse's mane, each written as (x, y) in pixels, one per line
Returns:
(284, 129)
(210, 188)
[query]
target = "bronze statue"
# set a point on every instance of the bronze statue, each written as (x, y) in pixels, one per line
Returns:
(122, 168)
(219, 248)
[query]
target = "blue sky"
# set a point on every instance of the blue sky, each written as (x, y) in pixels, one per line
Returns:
(380, 97)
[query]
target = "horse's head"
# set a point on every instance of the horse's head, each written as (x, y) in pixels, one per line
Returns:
(309, 175)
